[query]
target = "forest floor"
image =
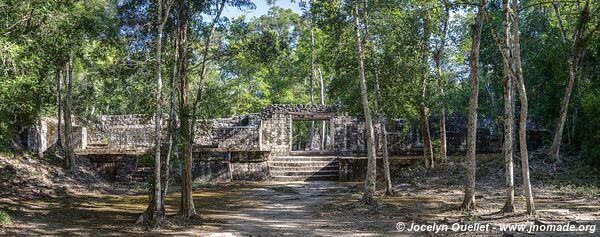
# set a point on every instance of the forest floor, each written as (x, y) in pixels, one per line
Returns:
(567, 194)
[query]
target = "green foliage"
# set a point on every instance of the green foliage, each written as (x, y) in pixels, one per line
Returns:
(266, 60)
(591, 138)
(5, 219)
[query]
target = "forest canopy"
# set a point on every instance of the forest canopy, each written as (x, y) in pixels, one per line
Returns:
(279, 58)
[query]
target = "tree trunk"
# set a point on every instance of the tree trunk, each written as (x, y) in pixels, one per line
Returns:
(203, 69)
(508, 114)
(469, 201)
(389, 190)
(564, 108)
(577, 48)
(158, 116)
(59, 107)
(523, 116)
(423, 110)
(186, 208)
(322, 97)
(155, 213)
(368, 197)
(39, 138)
(173, 134)
(312, 81)
(438, 65)
(70, 156)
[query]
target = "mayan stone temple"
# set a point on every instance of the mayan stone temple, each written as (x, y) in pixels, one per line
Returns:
(259, 146)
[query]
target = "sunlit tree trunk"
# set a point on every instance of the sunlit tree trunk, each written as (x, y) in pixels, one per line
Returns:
(368, 197)
(438, 66)
(469, 200)
(523, 116)
(312, 81)
(155, 213)
(186, 208)
(389, 190)
(508, 113)
(173, 134)
(322, 97)
(423, 110)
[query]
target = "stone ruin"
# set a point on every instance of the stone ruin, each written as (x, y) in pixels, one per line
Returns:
(258, 146)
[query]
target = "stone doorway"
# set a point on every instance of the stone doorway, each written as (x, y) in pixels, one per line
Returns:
(301, 135)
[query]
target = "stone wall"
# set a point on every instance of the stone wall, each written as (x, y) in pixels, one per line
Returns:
(122, 132)
(240, 147)
(277, 134)
(47, 129)
(354, 169)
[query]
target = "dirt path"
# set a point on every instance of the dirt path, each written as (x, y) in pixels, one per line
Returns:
(315, 208)
(239, 209)
(290, 209)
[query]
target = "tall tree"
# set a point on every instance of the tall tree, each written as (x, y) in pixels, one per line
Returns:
(437, 57)
(368, 197)
(523, 113)
(577, 45)
(219, 6)
(322, 101)
(508, 110)
(389, 190)
(155, 213)
(69, 149)
(312, 82)
(59, 75)
(186, 209)
(469, 200)
(423, 110)
(173, 131)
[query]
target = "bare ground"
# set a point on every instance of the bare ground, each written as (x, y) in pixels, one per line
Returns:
(566, 194)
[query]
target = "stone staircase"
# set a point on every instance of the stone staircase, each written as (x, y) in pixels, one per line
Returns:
(304, 168)
(138, 179)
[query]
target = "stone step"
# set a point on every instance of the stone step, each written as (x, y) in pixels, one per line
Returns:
(313, 153)
(305, 158)
(302, 163)
(316, 177)
(306, 169)
(128, 185)
(304, 173)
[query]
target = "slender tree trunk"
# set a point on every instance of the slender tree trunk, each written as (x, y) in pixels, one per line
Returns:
(564, 107)
(70, 156)
(523, 116)
(508, 114)
(59, 107)
(423, 110)
(577, 47)
(469, 201)
(438, 65)
(186, 209)
(443, 138)
(220, 6)
(368, 198)
(173, 134)
(312, 81)
(322, 97)
(389, 190)
(158, 214)
(155, 213)
(39, 138)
